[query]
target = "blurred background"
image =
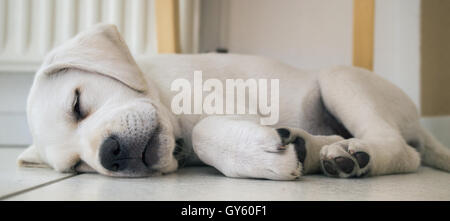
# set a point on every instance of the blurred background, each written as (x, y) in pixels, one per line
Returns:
(405, 41)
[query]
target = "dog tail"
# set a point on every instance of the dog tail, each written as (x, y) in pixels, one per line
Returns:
(434, 153)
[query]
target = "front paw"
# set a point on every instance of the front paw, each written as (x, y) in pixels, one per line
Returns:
(347, 158)
(287, 156)
(283, 153)
(279, 155)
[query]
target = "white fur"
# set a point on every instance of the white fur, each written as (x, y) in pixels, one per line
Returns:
(381, 118)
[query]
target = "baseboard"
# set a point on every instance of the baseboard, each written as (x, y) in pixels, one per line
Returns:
(439, 127)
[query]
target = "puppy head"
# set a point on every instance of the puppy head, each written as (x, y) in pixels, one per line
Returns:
(90, 109)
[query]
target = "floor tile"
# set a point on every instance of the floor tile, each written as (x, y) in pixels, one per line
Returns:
(14, 179)
(204, 183)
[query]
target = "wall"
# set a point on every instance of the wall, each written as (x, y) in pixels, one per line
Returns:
(435, 49)
(399, 57)
(435, 67)
(397, 44)
(306, 34)
(14, 89)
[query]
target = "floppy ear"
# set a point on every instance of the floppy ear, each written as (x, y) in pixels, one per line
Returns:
(30, 158)
(101, 50)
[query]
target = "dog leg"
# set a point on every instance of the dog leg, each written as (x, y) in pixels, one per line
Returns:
(313, 144)
(368, 157)
(378, 115)
(240, 147)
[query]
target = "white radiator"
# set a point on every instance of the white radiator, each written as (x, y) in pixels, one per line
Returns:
(30, 28)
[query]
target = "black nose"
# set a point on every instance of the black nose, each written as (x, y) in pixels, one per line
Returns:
(113, 156)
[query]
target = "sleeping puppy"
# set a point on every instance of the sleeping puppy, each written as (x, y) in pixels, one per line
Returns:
(91, 108)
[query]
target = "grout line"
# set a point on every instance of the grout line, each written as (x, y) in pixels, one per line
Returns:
(36, 187)
(13, 146)
(13, 112)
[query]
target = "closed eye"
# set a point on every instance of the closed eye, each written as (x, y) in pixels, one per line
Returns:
(76, 107)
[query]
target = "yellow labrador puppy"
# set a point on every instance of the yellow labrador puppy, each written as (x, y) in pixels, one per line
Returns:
(91, 108)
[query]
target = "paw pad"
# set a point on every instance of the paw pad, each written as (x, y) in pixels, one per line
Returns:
(346, 158)
(284, 133)
(287, 137)
(300, 149)
(362, 158)
(329, 167)
(345, 164)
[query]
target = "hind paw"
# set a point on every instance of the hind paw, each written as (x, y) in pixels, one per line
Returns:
(347, 158)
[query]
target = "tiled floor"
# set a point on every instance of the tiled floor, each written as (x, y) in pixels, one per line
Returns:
(208, 184)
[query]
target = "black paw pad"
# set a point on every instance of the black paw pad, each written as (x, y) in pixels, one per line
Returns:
(362, 158)
(284, 133)
(329, 167)
(300, 149)
(345, 164)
